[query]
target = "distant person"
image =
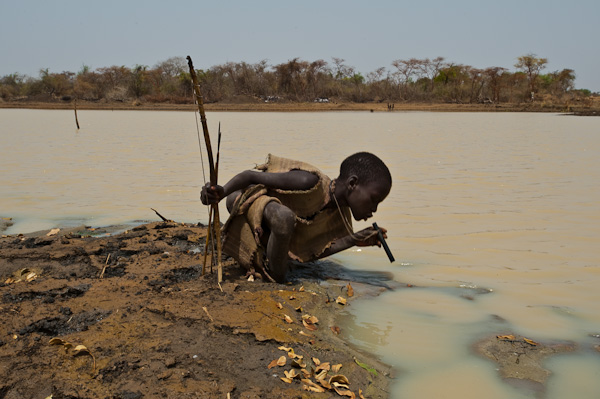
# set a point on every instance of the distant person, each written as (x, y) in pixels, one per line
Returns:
(288, 209)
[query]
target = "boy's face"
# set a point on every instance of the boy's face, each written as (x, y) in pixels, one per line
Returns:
(363, 199)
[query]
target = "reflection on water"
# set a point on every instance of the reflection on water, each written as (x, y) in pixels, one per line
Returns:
(493, 219)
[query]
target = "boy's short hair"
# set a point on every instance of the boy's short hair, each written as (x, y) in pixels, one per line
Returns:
(367, 167)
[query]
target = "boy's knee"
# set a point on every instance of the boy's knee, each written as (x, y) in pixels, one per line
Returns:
(280, 218)
(230, 200)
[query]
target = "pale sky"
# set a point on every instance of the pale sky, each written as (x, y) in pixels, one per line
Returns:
(64, 35)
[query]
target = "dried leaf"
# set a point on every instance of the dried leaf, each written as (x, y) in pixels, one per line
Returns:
(316, 361)
(277, 362)
(335, 329)
(309, 325)
(340, 379)
(321, 375)
(312, 319)
(324, 383)
(306, 373)
(57, 341)
(298, 363)
(305, 334)
(336, 367)
(360, 395)
(311, 386)
(31, 276)
(81, 350)
(301, 289)
(286, 379)
(343, 390)
(350, 290)
(292, 374)
(285, 348)
(506, 337)
(341, 300)
(288, 319)
(530, 342)
(323, 366)
(299, 309)
(53, 232)
(291, 298)
(279, 305)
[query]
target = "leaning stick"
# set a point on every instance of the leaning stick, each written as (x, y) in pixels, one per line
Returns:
(75, 108)
(211, 165)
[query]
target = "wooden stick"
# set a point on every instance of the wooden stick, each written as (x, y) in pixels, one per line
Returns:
(75, 108)
(211, 165)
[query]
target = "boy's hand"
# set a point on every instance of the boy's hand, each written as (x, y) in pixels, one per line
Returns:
(368, 237)
(211, 194)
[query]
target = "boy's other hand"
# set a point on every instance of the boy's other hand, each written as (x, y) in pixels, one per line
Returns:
(368, 237)
(211, 194)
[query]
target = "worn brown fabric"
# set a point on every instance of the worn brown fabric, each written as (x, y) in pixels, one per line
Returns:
(316, 227)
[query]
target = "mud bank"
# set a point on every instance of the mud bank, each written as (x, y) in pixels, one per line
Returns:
(152, 325)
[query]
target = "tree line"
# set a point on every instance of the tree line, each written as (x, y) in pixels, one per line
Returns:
(406, 80)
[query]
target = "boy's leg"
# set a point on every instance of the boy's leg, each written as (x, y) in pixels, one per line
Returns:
(280, 220)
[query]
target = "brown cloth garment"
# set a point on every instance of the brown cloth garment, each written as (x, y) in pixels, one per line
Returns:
(316, 228)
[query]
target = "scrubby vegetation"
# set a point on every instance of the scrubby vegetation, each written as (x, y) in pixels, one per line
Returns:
(406, 80)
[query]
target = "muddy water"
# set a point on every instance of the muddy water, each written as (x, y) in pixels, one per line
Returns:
(494, 219)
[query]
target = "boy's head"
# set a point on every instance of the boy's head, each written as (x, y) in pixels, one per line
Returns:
(367, 181)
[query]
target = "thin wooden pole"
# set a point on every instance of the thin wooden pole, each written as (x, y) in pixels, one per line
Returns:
(75, 108)
(211, 165)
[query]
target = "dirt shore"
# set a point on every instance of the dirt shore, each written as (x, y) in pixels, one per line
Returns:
(152, 325)
(588, 107)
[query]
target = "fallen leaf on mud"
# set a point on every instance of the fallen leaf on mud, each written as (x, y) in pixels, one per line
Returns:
(277, 362)
(506, 337)
(288, 319)
(305, 334)
(299, 309)
(311, 386)
(309, 325)
(53, 232)
(58, 341)
(343, 390)
(350, 290)
(366, 367)
(285, 348)
(291, 298)
(360, 395)
(82, 350)
(340, 379)
(316, 361)
(323, 382)
(336, 367)
(323, 366)
(279, 305)
(31, 276)
(530, 342)
(321, 376)
(292, 374)
(341, 300)
(286, 379)
(301, 289)
(298, 363)
(311, 319)
(335, 329)
(10, 280)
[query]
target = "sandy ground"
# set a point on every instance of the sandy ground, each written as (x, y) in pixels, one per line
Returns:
(152, 325)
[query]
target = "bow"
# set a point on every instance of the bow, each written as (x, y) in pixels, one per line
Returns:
(214, 208)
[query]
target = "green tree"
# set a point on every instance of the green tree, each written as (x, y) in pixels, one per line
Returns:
(531, 66)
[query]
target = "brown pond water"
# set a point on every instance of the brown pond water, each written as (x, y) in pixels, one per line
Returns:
(494, 218)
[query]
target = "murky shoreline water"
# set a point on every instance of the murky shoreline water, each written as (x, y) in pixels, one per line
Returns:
(501, 202)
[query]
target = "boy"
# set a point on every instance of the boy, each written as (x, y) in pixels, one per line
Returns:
(291, 210)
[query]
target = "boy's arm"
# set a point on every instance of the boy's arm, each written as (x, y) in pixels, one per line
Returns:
(293, 180)
(363, 238)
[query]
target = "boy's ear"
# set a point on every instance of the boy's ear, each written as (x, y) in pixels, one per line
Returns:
(352, 182)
